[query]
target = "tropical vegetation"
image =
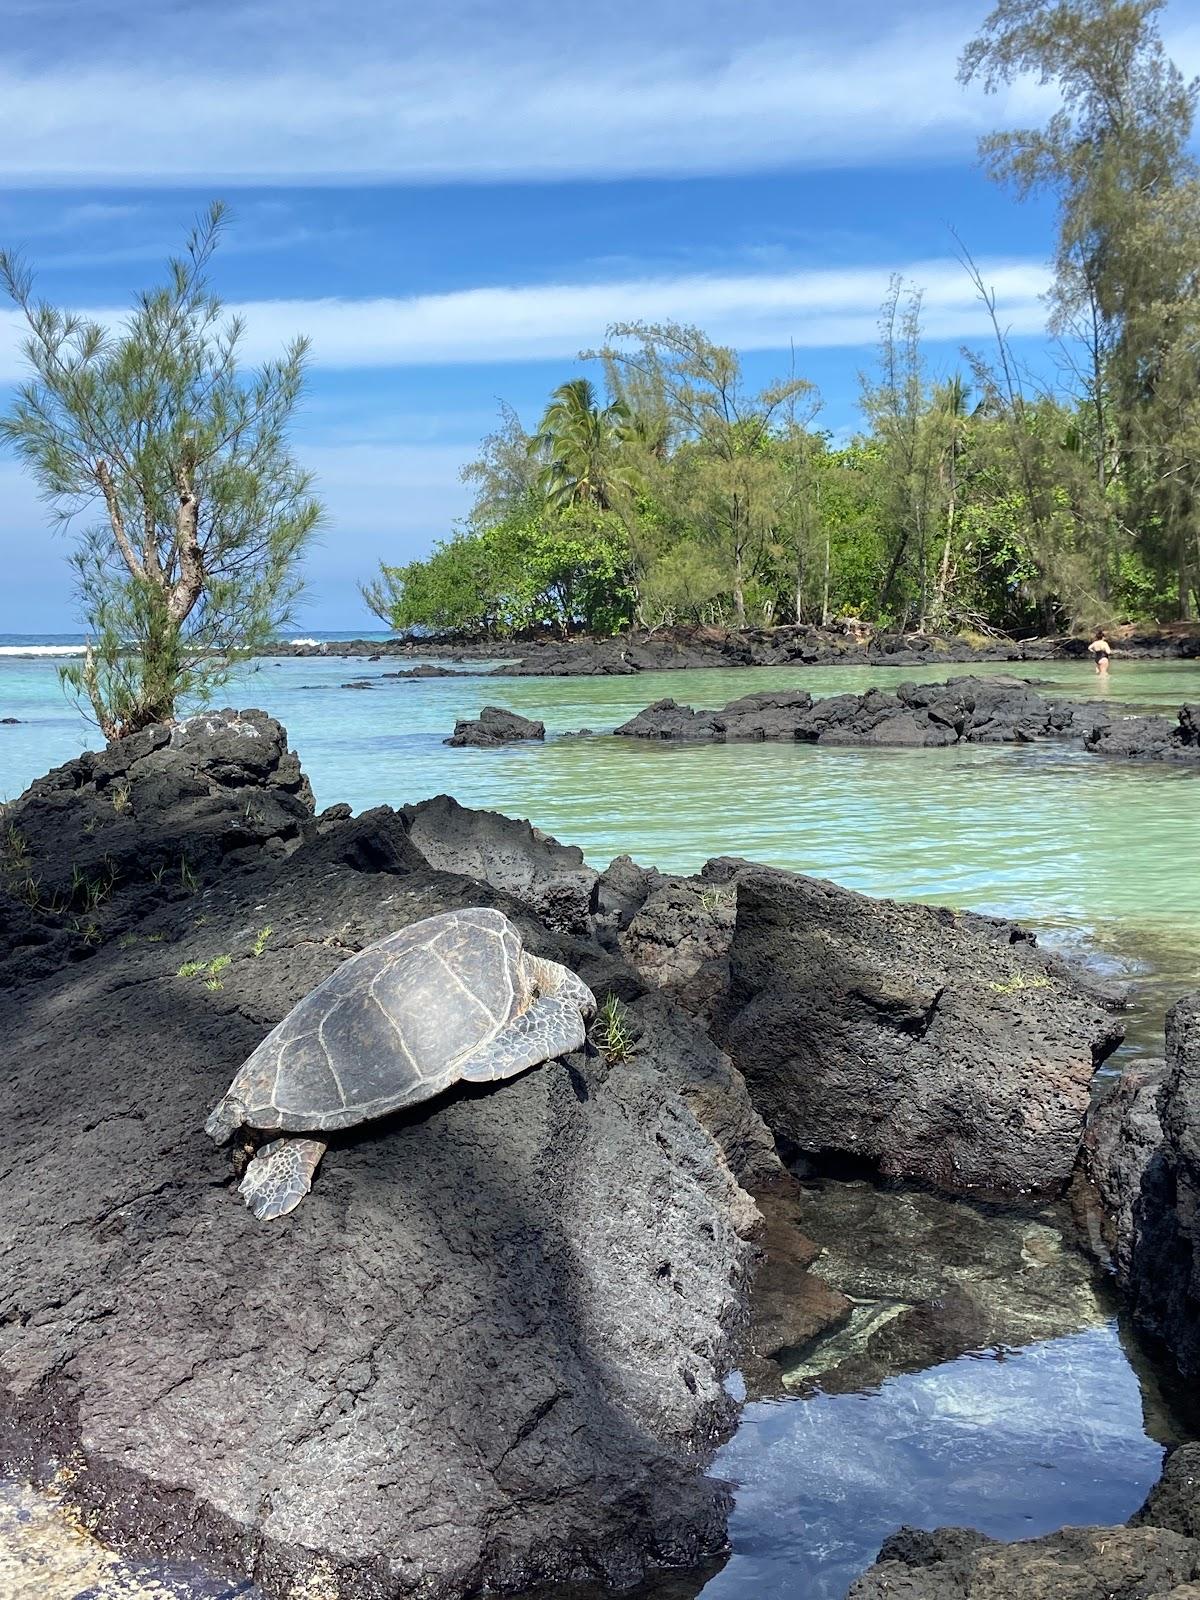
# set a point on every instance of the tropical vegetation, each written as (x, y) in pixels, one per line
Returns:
(983, 498)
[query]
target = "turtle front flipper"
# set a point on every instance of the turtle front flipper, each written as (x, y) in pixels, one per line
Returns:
(280, 1175)
(551, 1027)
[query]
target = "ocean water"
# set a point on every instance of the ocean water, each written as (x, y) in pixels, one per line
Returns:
(1029, 1425)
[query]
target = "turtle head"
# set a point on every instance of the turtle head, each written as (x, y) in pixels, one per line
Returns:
(227, 1117)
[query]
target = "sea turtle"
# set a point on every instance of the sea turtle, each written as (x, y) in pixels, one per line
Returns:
(455, 996)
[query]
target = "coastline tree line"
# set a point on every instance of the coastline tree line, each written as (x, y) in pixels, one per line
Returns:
(666, 489)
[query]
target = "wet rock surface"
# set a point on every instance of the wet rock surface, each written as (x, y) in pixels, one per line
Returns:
(494, 726)
(1143, 1154)
(925, 716)
(46, 1555)
(1076, 1564)
(1155, 1557)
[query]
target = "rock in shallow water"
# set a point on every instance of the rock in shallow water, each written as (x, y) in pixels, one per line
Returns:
(1156, 1557)
(925, 716)
(930, 1044)
(494, 725)
(1076, 1564)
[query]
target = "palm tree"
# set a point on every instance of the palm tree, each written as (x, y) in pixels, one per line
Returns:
(581, 443)
(951, 417)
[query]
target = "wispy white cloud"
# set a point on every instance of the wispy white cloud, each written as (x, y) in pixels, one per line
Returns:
(496, 94)
(367, 89)
(807, 309)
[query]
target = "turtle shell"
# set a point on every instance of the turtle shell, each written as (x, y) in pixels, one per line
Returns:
(392, 1026)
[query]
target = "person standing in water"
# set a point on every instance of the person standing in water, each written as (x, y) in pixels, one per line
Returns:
(1100, 651)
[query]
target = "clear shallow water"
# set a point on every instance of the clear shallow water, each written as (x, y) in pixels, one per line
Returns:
(1013, 1442)
(981, 1381)
(1017, 1432)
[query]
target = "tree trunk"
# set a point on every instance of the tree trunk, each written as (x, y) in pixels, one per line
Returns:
(187, 587)
(943, 578)
(825, 585)
(739, 596)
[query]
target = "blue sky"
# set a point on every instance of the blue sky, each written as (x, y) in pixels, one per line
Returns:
(454, 200)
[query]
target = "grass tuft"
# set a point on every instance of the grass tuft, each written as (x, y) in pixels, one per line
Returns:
(210, 971)
(614, 1038)
(1022, 980)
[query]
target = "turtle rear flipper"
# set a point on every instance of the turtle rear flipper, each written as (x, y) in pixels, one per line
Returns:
(280, 1175)
(551, 1027)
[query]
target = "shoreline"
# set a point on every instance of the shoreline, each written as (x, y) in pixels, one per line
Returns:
(690, 649)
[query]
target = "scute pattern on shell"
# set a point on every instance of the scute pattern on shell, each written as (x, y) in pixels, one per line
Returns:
(390, 1027)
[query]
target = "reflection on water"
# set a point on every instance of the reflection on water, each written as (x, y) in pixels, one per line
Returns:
(981, 1381)
(1015, 1443)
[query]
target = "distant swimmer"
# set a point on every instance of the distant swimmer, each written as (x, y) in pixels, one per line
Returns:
(1100, 651)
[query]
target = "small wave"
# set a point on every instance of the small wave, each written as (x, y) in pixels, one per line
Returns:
(304, 641)
(31, 650)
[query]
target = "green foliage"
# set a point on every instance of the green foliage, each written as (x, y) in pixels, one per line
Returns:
(260, 941)
(539, 568)
(210, 971)
(201, 510)
(1117, 156)
(614, 1037)
(579, 442)
(971, 502)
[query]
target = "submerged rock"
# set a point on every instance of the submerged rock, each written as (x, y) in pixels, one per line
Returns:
(1143, 1154)
(931, 1279)
(494, 725)
(1155, 1557)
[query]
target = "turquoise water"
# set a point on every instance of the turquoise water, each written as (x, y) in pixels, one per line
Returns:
(1100, 857)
